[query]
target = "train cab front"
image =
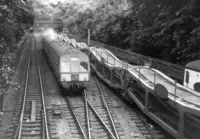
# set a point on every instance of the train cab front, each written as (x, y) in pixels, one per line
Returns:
(75, 73)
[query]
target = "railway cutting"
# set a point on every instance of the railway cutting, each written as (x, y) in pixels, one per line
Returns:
(50, 107)
(30, 119)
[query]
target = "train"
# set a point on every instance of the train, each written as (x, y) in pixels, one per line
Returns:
(42, 24)
(192, 75)
(172, 106)
(70, 65)
(31, 30)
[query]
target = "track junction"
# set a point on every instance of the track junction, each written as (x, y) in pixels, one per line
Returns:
(173, 106)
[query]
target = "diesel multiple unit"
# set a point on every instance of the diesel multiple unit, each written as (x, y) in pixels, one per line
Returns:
(71, 66)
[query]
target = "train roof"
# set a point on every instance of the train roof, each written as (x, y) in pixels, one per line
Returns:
(194, 65)
(62, 49)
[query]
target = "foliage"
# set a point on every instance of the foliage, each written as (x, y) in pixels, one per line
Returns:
(15, 18)
(167, 30)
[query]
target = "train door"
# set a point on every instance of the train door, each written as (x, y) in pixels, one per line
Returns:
(74, 65)
(74, 69)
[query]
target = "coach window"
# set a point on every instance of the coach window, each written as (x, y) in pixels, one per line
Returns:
(83, 66)
(65, 66)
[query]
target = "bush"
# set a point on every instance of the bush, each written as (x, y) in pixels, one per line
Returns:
(168, 30)
(14, 21)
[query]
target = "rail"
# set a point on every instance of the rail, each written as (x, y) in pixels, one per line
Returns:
(101, 120)
(87, 102)
(42, 95)
(88, 105)
(107, 108)
(185, 100)
(19, 128)
(146, 74)
(76, 118)
(87, 115)
(141, 116)
(18, 133)
(148, 126)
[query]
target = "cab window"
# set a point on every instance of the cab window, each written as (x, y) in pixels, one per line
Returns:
(74, 65)
(83, 66)
(65, 66)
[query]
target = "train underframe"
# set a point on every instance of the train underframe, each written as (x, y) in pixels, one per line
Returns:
(73, 88)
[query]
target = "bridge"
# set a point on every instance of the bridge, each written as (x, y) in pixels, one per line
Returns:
(47, 23)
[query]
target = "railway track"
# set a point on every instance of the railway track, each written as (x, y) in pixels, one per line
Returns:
(92, 115)
(147, 127)
(30, 119)
(83, 122)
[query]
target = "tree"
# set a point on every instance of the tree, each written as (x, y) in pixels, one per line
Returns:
(14, 20)
(168, 30)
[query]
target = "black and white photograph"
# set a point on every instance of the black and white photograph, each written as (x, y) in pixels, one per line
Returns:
(99, 69)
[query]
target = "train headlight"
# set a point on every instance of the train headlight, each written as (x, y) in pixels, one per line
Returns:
(83, 77)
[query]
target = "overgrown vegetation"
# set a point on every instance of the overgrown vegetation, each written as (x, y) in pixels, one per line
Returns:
(15, 18)
(168, 30)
